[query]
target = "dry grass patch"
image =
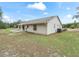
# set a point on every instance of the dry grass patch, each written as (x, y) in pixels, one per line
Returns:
(28, 44)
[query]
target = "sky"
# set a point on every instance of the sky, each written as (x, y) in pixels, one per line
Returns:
(25, 11)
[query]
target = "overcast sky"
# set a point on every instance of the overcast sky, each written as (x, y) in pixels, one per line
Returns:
(32, 10)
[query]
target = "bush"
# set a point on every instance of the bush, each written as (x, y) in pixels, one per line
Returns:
(3, 25)
(77, 26)
(66, 25)
(72, 26)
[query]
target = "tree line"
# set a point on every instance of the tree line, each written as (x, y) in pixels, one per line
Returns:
(4, 25)
(74, 24)
(71, 25)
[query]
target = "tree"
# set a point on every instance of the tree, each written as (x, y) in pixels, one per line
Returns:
(1, 14)
(14, 24)
(2, 24)
(77, 14)
(75, 24)
(19, 21)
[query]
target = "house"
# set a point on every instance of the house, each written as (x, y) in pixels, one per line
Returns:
(46, 25)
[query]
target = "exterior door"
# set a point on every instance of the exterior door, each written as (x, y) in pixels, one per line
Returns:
(23, 27)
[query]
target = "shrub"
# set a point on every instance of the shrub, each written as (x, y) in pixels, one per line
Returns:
(72, 26)
(77, 26)
(3, 25)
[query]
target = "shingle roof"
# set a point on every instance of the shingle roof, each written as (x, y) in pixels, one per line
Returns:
(40, 20)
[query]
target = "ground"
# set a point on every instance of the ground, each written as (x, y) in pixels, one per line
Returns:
(23, 44)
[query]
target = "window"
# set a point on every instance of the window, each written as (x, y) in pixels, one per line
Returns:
(34, 27)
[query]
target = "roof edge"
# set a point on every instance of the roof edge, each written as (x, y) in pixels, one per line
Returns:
(59, 20)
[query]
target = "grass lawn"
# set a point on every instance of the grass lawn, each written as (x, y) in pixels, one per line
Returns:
(27, 44)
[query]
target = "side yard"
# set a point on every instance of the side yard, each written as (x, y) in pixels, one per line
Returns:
(28, 44)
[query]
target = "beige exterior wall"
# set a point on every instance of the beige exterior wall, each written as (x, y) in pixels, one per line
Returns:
(49, 28)
(41, 29)
(53, 25)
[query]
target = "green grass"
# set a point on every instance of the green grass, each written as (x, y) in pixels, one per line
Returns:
(8, 30)
(28, 44)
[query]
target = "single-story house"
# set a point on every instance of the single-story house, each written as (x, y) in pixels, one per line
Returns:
(46, 25)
